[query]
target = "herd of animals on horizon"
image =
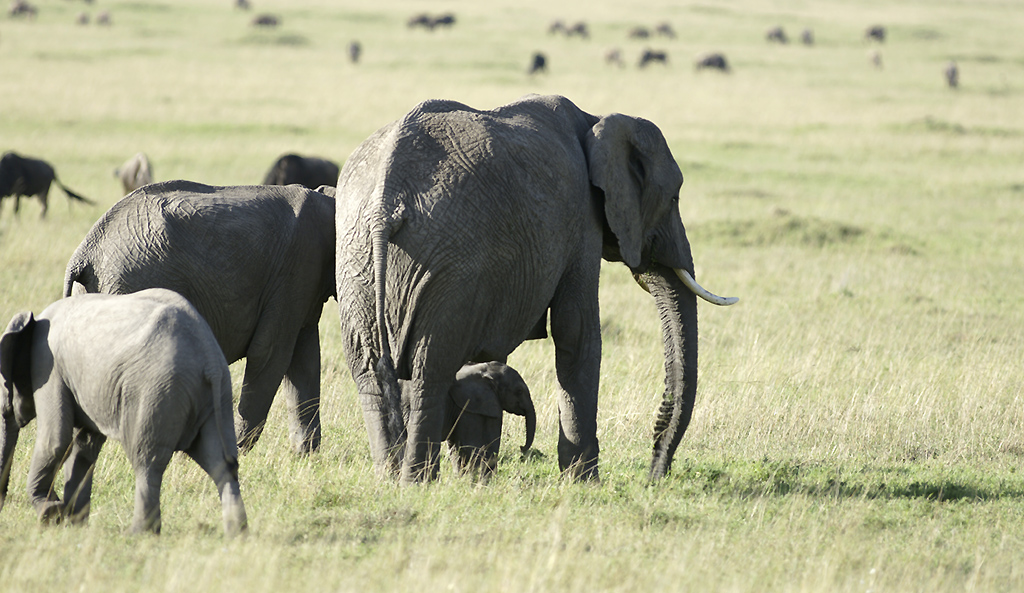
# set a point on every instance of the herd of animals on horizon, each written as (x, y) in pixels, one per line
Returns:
(482, 390)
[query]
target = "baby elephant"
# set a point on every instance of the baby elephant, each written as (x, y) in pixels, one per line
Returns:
(474, 412)
(143, 369)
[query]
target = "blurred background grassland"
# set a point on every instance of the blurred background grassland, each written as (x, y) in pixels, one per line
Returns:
(859, 423)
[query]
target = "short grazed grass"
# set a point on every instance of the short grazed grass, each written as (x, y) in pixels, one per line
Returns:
(859, 423)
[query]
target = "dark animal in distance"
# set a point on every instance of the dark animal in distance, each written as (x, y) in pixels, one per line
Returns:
(24, 176)
(875, 33)
(952, 74)
(665, 30)
(431, 22)
(651, 55)
(614, 57)
(243, 5)
(539, 63)
(103, 18)
(777, 35)
(639, 33)
(714, 61)
(311, 172)
(807, 37)
(23, 8)
(265, 20)
(354, 51)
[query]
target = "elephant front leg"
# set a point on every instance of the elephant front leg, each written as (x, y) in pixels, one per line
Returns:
(301, 387)
(53, 440)
(78, 471)
(386, 455)
(577, 337)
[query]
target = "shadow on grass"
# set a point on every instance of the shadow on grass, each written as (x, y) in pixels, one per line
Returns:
(912, 481)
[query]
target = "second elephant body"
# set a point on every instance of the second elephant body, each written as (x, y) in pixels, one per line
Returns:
(256, 261)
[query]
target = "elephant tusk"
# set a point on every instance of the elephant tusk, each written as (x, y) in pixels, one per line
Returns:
(699, 290)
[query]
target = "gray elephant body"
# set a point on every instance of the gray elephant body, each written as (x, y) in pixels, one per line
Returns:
(473, 414)
(459, 230)
(143, 369)
(24, 176)
(256, 261)
(309, 171)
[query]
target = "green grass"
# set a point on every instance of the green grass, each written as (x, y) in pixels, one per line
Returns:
(859, 423)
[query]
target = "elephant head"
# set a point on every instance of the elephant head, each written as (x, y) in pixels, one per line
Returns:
(512, 391)
(639, 181)
(478, 397)
(16, 404)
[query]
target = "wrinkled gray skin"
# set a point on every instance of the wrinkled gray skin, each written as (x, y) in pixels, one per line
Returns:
(143, 369)
(311, 172)
(23, 176)
(473, 415)
(135, 172)
(256, 261)
(460, 230)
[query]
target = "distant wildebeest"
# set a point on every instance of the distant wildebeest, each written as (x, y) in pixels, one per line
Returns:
(807, 37)
(651, 55)
(265, 20)
(614, 56)
(639, 33)
(556, 27)
(82, 18)
(875, 57)
(539, 63)
(22, 8)
(875, 33)
(713, 60)
(431, 22)
(135, 172)
(103, 18)
(666, 30)
(777, 34)
(952, 75)
(354, 51)
(311, 172)
(23, 176)
(243, 5)
(578, 30)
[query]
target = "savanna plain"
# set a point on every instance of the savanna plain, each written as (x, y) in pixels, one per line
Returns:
(859, 423)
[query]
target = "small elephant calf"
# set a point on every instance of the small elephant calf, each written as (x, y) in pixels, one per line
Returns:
(473, 414)
(143, 369)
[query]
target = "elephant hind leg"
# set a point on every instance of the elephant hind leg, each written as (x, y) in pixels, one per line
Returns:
(78, 474)
(264, 369)
(149, 474)
(301, 388)
(222, 467)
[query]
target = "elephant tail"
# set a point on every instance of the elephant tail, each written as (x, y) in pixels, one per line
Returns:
(72, 194)
(79, 271)
(386, 372)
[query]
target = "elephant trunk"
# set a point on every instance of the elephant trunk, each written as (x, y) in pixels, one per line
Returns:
(8, 440)
(677, 308)
(531, 426)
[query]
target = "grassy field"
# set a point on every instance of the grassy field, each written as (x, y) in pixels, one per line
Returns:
(859, 424)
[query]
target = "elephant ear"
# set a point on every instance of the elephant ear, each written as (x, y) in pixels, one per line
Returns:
(14, 359)
(476, 395)
(628, 157)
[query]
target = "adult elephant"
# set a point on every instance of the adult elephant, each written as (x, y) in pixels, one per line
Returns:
(459, 230)
(309, 171)
(256, 261)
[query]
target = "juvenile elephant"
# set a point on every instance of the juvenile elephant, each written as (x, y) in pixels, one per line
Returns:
(143, 369)
(473, 414)
(135, 172)
(311, 172)
(256, 261)
(460, 230)
(24, 176)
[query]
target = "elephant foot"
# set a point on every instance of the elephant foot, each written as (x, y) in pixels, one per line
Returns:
(50, 512)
